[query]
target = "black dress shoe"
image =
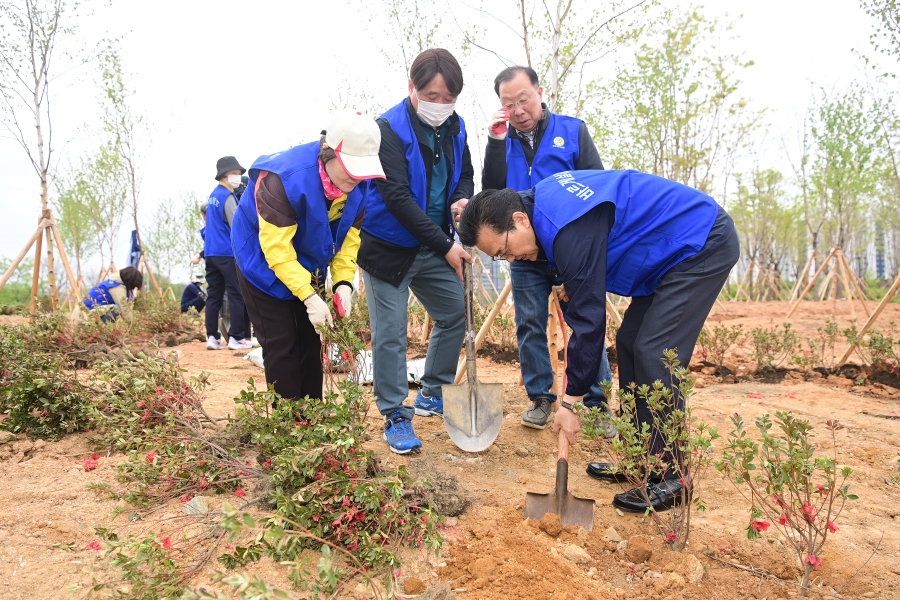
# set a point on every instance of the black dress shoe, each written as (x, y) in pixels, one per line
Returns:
(663, 496)
(604, 472)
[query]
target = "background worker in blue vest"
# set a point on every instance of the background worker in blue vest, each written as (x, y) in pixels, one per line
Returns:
(407, 242)
(221, 276)
(666, 245)
(193, 296)
(301, 214)
(114, 291)
(538, 144)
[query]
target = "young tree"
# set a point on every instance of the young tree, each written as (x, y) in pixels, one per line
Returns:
(675, 110)
(106, 182)
(886, 37)
(30, 34)
(173, 236)
(74, 203)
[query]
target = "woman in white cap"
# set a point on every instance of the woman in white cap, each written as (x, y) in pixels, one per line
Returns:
(300, 214)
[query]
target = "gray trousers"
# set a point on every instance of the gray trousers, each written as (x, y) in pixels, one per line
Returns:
(671, 318)
(440, 291)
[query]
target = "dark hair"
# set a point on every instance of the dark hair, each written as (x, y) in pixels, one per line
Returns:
(433, 61)
(326, 153)
(509, 73)
(132, 278)
(490, 208)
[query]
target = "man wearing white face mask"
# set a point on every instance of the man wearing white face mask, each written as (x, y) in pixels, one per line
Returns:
(407, 241)
(221, 275)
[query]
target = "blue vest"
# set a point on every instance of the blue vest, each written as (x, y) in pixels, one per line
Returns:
(218, 233)
(659, 223)
(317, 239)
(558, 151)
(378, 220)
(100, 296)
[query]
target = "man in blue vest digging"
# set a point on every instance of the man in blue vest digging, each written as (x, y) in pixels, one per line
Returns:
(666, 245)
(537, 144)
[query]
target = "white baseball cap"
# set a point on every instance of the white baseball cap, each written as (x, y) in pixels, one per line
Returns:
(355, 139)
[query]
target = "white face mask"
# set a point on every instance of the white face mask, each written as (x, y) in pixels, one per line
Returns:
(234, 181)
(433, 113)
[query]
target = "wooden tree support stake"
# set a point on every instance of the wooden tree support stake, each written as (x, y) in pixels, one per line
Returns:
(881, 305)
(488, 321)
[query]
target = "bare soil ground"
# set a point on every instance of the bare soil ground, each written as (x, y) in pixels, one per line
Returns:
(491, 552)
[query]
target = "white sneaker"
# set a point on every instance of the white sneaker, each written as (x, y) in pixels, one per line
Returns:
(234, 344)
(213, 344)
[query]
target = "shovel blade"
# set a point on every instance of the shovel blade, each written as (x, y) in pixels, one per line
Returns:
(571, 510)
(488, 415)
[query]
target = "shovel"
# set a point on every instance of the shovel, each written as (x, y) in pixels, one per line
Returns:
(571, 510)
(473, 411)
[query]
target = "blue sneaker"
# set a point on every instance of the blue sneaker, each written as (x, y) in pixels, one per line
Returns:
(427, 406)
(399, 434)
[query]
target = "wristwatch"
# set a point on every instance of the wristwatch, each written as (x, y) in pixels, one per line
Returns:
(568, 405)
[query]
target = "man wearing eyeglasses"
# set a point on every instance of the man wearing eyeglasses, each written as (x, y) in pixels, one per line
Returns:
(538, 144)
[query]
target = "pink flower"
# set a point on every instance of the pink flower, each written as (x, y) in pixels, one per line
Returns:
(670, 536)
(186, 497)
(783, 520)
(759, 525)
(809, 512)
(90, 464)
(240, 492)
(95, 456)
(95, 545)
(831, 526)
(204, 484)
(167, 543)
(151, 456)
(814, 560)
(267, 463)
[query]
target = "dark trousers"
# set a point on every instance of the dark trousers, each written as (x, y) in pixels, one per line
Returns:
(671, 318)
(221, 277)
(291, 346)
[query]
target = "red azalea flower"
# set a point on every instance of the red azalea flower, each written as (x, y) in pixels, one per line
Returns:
(167, 543)
(759, 525)
(315, 518)
(90, 464)
(783, 519)
(814, 560)
(240, 492)
(95, 456)
(267, 463)
(95, 545)
(151, 456)
(670, 536)
(186, 497)
(204, 484)
(831, 526)
(808, 511)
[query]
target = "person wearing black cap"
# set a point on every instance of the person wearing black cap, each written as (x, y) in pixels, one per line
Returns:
(221, 275)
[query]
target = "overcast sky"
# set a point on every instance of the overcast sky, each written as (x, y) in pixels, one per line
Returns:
(223, 77)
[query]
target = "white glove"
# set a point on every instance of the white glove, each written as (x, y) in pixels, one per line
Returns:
(318, 312)
(497, 125)
(343, 293)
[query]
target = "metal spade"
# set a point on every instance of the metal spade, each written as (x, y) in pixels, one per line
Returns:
(571, 509)
(473, 411)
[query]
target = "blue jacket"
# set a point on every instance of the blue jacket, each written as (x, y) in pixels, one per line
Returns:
(378, 220)
(218, 234)
(317, 240)
(100, 296)
(658, 223)
(558, 151)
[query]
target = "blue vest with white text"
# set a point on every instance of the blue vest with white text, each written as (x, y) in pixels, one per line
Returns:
(100, 296)
(378, 220)
(218, 234)
(558, 151)
(317, 239)
(658, 222)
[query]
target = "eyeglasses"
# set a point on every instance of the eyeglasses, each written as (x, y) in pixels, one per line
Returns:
(519, 103)
(505, 254)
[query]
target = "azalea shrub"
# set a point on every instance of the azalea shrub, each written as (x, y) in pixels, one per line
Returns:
(37, 394)
(714, 344)
(787, 486)
(682, 435)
